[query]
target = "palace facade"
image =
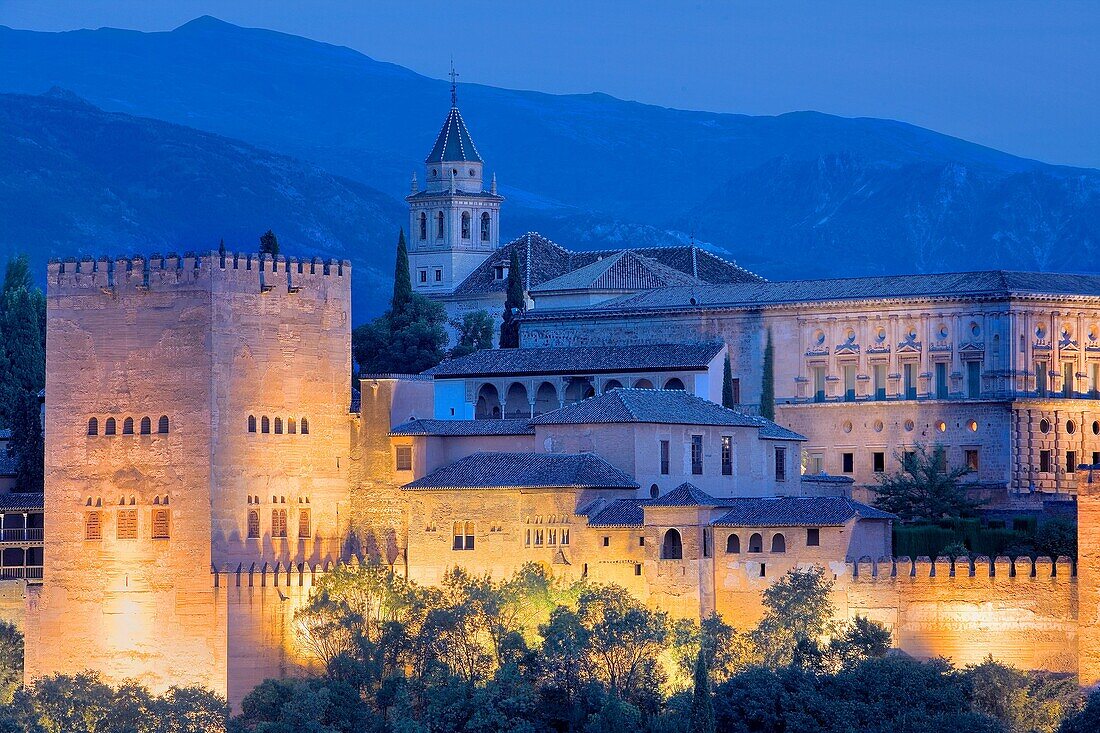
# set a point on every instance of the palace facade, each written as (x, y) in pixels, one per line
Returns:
(207, 458)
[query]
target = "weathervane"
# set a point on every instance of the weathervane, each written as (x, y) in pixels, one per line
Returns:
(454, 85)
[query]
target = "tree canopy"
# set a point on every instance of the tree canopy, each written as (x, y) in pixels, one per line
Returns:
(475, 332)
(269, 243)
(925, 487)
(514, 304)
(23, 370)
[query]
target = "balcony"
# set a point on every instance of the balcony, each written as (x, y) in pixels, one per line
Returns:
(21, 536)
(21, 573)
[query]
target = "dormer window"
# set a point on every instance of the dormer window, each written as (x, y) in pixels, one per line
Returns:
(500, 272)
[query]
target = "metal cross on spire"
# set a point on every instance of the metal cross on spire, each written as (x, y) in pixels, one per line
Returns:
(454, 85)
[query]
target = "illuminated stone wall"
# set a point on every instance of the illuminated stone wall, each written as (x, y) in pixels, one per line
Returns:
(13, 602)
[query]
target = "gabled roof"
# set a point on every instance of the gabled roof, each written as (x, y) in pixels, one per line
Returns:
(993, 284)
(661, 406)
(459, 428)
(28, 500)
(686, 494)
(625, 270)
(498, 470)
(541, 260)
(614, 513)
(580, 360)
(796, 511)
(453, 144)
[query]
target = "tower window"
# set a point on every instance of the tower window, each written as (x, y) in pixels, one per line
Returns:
(697, 455)
(423, 226)
(109, 426)
(305, 426)
(160, 524)
(126, 528)
(303, 524)
(404, 458)
(128, 426)
(146, 426)
(423, 276)
(251, 423)
(485, 226)
(278, 522)
(465, 225)
(93, 426)
(265, 424)
(278, 426)
(253, 524)
(292, 426)
(439, 225)
(439, 276)
(93, 526)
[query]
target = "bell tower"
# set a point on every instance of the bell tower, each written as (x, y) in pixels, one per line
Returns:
(453, 221)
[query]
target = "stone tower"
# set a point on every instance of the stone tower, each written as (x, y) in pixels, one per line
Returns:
(196, 419)
(1088, 579)
(453, 222)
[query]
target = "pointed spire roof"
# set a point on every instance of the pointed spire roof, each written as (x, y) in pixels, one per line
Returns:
(454, 143)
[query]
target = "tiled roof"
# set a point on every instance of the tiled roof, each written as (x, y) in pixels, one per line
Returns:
(5, 433)
(29, 500)
(796, 511)
(623, 270)
(675, 407)
(614, 513)
(985, 284)
(525, 470)
(579, 360)
(541, 261)
(686, 494)
(454, 142)
(458, 428)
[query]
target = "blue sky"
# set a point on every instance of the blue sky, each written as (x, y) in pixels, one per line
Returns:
(1023, 77)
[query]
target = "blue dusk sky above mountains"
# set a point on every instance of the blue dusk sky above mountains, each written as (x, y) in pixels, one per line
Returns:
(1016, 76)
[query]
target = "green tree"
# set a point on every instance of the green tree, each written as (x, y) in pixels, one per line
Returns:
(702, 702)
(475, 332)
(797, 615)
(23, 370)
(857, 641)
(11, 661)
(925, 488)
(269, 243)
(767, 382)
(1086, 720)
(728, 650)
(514, 304)
(727, 385)
(1056, 537)
(1023, 702)
(409, 337)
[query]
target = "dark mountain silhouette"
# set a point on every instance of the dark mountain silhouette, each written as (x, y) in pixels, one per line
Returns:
(797, 195)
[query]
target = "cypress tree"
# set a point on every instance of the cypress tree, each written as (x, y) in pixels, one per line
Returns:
(402, 281)
(269, 244)
(702, 704)
(727, 385)
(513, 305)
(767, 387)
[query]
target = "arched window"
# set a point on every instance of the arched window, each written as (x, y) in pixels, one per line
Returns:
(756, 543)
(146, 425)
(579, 388)
(278, 522)
(674, 383)
(265, 425)
(779, 544)
(162, 425)
(109, 426)
(423, 226)
(487, 406)
(546, 398)
(612, 384)
(303, 524)
(251, 423)
(253, 524)
(439, 225)
(128, 426)
(93, 426)
(486, 223)
(672, 547)
(93, 526)
(291, 426)
(643, 384)
(278, 426)
(516, 404)
(160, 524)
(654, 491)
(465, 224)
(733, 544)
(305, 426)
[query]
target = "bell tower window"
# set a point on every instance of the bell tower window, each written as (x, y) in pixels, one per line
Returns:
(465, 225)
(423, 226)
(485, 224)
(439, 225)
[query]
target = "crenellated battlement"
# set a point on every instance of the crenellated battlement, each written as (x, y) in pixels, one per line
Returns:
(899, 569)
(232, 271)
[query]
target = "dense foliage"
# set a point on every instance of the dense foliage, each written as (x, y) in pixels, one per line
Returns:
(23, 370)
(475, 332)
(925, 488)
(728, 400)
(515, 303)
(409, 337)
(767, 383)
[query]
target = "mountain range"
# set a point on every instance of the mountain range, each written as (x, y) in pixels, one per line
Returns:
(335, 135)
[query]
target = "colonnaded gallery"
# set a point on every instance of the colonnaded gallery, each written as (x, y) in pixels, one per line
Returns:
(207, 458)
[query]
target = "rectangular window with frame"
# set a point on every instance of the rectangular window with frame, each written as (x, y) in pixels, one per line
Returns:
(1044, 461)
(1071, 461)
(780, 464)
(1068, 386)
(127, 526)
(463, 536)
(160, 523)
(878, 372)
(813, 537)
(422, 275)
(1094, 379)
(849, 382)
(665, 450)
(727, 455)
(606, 541)
(253, 524)
(278, 523)
(697, 455)
(973, 379)
(909, 380)
(972, 458)
(819, 383)
(736, 390)
(941, 380)
(878, 462)
(847, 462)
(1041, 378)
(1096, 458)
(565, 536)
(815, 464)
(403, 457)
(439, 276)
(304, 528)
